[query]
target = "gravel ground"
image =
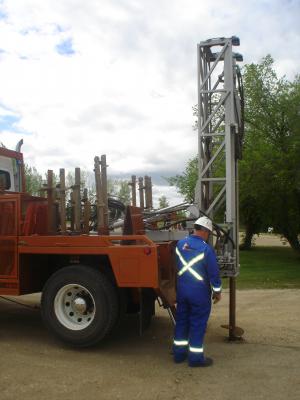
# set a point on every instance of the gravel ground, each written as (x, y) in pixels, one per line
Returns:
(265, 365)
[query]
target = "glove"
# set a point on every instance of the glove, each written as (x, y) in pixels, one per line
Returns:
(216, 297)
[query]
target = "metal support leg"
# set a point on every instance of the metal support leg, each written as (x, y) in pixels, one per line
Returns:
(235, 333)
(232, 308)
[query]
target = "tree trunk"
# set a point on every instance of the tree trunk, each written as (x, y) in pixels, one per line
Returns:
(294, 242)
(247, 241)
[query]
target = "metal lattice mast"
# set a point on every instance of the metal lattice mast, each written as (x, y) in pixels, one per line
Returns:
(219, 126)
(220, 129)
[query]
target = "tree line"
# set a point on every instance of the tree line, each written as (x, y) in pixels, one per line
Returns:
(117, 188)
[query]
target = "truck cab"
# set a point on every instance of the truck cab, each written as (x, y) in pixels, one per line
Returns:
(11, 170)
(6, 174)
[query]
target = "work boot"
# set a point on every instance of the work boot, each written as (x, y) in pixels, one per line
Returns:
(206, 363)
(179, 358)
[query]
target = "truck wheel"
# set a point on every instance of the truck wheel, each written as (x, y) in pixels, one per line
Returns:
(79, 305)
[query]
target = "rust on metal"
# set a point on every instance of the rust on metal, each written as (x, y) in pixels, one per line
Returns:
(86, 212)
(100, 211)
(141, 192)
(77, 201)
(50, 198)
(133, 190)
(62, 200)
(72, 211)
(105, 229)
(133, 223)
(235, 333)
(148, 192)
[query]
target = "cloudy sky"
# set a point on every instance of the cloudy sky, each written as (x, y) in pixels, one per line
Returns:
(118, 77)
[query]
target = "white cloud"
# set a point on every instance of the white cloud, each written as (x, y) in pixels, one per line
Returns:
(129, 87)
(169, 191)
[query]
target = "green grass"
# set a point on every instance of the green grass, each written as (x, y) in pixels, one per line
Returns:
(268, 268)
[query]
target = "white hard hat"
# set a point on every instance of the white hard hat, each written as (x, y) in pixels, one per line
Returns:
(205, 223)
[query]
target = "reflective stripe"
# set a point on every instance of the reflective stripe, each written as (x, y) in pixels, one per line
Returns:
(196, 275)
(188, 265)
(196, 349)
(180, 257)
(217, 289)
(181, 342)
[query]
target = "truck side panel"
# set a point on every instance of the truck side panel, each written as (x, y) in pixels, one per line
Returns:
(9, 282)
(132, 265)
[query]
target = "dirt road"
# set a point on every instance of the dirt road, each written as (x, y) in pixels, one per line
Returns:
(265, 366)
(268, 239)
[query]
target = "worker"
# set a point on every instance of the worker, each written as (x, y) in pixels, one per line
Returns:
(198, 281)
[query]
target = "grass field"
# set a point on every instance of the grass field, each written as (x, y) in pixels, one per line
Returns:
(268, 268)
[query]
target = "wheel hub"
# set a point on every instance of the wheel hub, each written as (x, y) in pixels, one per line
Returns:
(79, 305)
(74, 307)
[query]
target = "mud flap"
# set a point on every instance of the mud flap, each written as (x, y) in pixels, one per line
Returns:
(147, 307)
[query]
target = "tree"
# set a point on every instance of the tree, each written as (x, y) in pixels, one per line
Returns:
(270, 169)
(115, 187)
(119, 188)
(186, 182)
(124, 193)
(33, 180)
(87, 181)
(163, 202)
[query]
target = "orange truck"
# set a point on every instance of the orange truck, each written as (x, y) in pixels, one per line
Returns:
(87, 281)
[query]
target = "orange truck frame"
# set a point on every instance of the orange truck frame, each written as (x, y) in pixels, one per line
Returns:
(87, 281)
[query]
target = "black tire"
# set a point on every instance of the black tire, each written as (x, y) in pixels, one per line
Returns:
(79, 305)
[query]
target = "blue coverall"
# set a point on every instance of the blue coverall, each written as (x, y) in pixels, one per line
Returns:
(197, 276)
